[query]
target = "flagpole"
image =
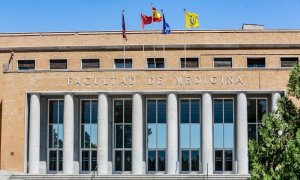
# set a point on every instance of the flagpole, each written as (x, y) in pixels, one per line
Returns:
(184, 39)
(123, 42)
(153, 33)
(164, 38)
(143, 37)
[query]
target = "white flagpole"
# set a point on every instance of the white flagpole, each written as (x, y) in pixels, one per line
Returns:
(153, 33)
(163, 38)
(143, 38)
(184, 40)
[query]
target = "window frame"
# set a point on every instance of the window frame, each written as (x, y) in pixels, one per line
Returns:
(123, 149)
(99, 64)
(185, 59)
(155, 63)
(80, 145)
(62, 59)
(215, 58)
(285, 59)
(124, 63)
(190, 149)
(256, 58)
(233, 140)
(155, 149)
(34, 64)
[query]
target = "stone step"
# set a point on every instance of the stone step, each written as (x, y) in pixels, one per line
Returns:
(131, 177)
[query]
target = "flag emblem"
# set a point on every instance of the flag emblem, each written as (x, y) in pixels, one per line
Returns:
(155, 15)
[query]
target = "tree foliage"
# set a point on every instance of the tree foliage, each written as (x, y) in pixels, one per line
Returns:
(277, 154)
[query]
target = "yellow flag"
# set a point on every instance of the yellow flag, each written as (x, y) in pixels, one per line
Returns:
(191, 20)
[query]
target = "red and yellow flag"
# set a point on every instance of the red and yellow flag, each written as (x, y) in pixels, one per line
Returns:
(155, 15)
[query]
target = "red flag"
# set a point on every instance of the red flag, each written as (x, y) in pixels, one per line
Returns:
(123, 27)
(146, 20)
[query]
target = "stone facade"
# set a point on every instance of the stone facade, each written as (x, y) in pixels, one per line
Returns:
(17, 86)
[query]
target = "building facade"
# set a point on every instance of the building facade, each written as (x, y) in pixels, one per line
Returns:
(79, 102)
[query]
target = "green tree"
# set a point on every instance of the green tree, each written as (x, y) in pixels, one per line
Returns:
(277, 154)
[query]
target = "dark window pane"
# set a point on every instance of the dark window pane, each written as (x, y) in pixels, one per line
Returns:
(90, 64)
(185, 160)
(228, 111)
(223, 62)
(218, 111)
(26, 64)
(128, 111)
(128, 136)
(53, 112)
(151, 111)
(85, 115)
(128, 63)
(94, 160)
(82, 136)
(119, 136)
(118, 111)
(155, 62)
(94, 111)
(161, 111)
(251, 110)
(189, 62)
(228, 160)
(50, 136)
(195, 111)
(195, 160)
(87, 135)
(289, 61)
(252, 131)
(151, 160)
(160, 63)
(184, 111)
(52, 160)
(118, 160)
(256, 62)
(60, 159)
(161, 160)
(127, 160)
(261, 108)
(61, 112)
(119, 63)
(85, 161)
(218, 160)
(151, 63)
(58, 64)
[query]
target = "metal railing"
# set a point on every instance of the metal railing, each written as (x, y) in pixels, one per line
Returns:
(94, 172)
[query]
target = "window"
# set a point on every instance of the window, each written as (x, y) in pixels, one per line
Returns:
(256, 62)
(90, 64)
(157, 135)
(123, 63)
(223, 134)
(58, 64)
(190, 134)
(189, 62)
(122, 134)
(223, 62)
(88, 138)
(55, 135)
(26, 64)
(155, 62)
(256, 108)
(289, 61)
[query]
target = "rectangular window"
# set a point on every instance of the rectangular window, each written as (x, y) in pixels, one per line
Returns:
(55, 135)
(222, 62)
(89, 134)
(157, 134)
(289, 61)
(190, 134)
(256, 108)
(123, 63)
(122, 117)
(189, 62)
(223, 128)
(58, 64)
(156, 62)
(26, 64)
(90, 64)
(256, 62)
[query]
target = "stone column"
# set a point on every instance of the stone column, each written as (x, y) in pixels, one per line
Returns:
(137, 135)
(207, 134)
(102, 148)
(34, 134)
(275, 97)
(172, 142)
(242, 134)
(68, 147)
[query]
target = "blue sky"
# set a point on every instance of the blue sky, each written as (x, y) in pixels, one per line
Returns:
(98, 15)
